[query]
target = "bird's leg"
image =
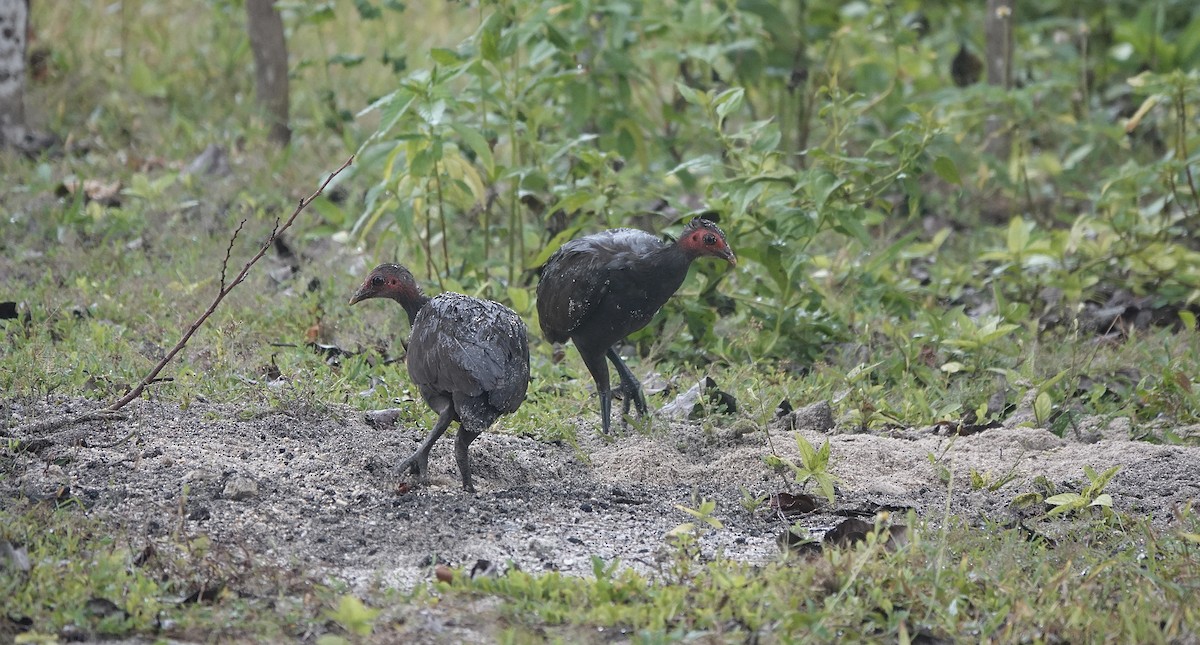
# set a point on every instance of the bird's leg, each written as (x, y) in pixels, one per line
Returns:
(599, 370)
(461, 443)
(418, 462)
(631, 389)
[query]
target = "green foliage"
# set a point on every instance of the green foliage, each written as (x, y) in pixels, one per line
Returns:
(998, 585)
(814, 466)
(895, 260)
(986, 480)
(81, 579)
(353, 616)
(1091, 495)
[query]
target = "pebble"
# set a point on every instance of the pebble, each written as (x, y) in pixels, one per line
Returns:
(240, 488)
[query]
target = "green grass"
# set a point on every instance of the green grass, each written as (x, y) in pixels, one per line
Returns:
(85, 579)
(959, 582)
(1118, 579)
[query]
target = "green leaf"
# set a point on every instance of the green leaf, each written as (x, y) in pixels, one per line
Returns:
(825, 484)
(1103, 499)
(1063, 499)
(367, 10)
(354, 616)
(1018, 235)
(947, 170)
(807, 453)
(519, 298)
(1042, 406)
(822, 186)
(1026, 499)
(576, 201)
(346, 60)
(1188, 319)
(682, 529)
(319, 14)
(553, 246)
(729, 101)
(695, 97)
(1101, 480)
(422, 163)
(478, 144)
(489, 37)
(443, 56)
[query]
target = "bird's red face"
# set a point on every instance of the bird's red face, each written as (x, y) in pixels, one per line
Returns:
(386, 281)
(702, 237)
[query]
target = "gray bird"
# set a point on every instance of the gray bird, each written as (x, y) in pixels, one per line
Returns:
(468, 357)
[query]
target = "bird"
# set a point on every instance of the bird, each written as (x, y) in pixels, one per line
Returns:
(598, 289)
(965, 67)
(468, 357)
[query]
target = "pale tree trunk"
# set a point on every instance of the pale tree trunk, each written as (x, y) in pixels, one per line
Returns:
(265, 27)
(998, 34)
(14, 20)
(14, 131)
(998, 29)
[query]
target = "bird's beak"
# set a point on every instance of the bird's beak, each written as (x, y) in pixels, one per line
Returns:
(359, 295)
(730, 257)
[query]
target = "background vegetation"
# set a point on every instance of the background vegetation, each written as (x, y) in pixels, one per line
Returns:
(913, 250)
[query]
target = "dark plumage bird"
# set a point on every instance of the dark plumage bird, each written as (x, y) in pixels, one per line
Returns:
(600, 288)
(468, 357)
(965, 67)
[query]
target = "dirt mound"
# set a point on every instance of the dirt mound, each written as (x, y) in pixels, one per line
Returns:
(315, 485)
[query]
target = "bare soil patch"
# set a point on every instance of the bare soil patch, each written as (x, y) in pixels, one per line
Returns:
(315, 486)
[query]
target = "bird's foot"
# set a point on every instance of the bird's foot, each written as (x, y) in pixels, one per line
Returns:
(417, 464)
(631, 395)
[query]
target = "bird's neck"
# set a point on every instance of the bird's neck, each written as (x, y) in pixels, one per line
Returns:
(412, 303)
(674, 258)
(670, 264)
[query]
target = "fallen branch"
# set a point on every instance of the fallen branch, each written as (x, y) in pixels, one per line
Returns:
(109, 412)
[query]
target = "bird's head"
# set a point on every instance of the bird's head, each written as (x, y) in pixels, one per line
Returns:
(703, 237)
(388, 281)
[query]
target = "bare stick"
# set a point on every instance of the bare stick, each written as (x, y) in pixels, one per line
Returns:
(229, 251)
(109, 412)
(137, 390)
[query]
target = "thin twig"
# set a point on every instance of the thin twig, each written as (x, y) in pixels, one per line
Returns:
(109, 412)
(241, 276)
(229, 251)
(54, 423)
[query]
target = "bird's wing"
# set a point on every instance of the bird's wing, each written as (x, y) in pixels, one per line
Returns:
(468, 346)
(576, 278)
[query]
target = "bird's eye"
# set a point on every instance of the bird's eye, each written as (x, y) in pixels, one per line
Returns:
(377, 281)
(710, 239)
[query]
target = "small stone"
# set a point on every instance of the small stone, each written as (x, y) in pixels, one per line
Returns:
(199, 475)
(14, 556)
(239, 488)
(199, 514)
(383, 419)
(817, 417)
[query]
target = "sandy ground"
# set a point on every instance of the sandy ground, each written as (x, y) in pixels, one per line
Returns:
(316, 486)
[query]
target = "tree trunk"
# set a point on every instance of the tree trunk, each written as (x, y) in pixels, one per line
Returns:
(998, 28)
(14, 20)
(265, 27)
(998, 35)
